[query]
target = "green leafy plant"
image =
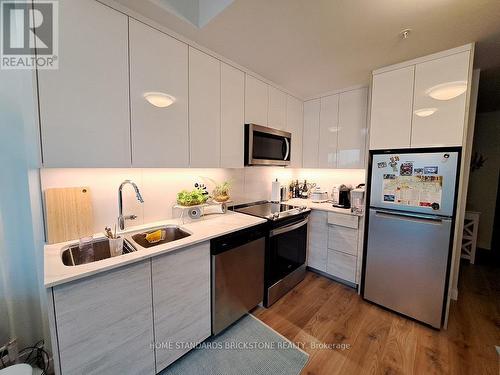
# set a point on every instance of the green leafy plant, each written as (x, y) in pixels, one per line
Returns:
(191, 198)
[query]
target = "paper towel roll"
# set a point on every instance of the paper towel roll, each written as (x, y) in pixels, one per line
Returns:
(275, 191)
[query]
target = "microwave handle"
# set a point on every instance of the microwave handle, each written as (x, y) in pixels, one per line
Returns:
(287, 148)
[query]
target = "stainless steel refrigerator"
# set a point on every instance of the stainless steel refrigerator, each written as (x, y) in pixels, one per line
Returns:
(410, 229)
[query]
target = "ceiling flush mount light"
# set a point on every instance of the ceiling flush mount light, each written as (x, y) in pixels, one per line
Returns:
(425, 112)
(448, 90)
(159, 99)
(334, 129)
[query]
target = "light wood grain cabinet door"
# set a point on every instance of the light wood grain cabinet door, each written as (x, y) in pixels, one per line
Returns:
(158, 64)
(105, 323)
(84, 104)
(181, 302)
(204, 109)
(318, 240)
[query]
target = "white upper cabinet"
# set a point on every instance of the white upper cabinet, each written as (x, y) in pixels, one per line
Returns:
(352, 128)
(256, 101)
(204, 109)
(232, 117)
(84, 105)
(295, 121)
(158, 64)
(328, 131)
(310, 136)
(440, 101)
(391, 113)
(277, 109)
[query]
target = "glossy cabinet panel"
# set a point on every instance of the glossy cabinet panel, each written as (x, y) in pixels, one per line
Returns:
(294, 124)
(352, 128)
(391, 109)
(158, 63)
(232, 117)
(256, 101)
(204, 109)
(84, 105)
(328, 131)
(277, 109)
(317, 240)
(440, 122)
(310, 136)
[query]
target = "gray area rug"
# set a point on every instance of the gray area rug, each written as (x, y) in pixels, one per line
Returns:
(248, 347)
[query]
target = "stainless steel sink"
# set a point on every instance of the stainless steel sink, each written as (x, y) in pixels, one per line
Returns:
(172, 233)
(72, 256)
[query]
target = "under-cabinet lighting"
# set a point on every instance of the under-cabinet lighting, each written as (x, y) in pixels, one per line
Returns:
(425, 112)
(448, 90)
(159, 99)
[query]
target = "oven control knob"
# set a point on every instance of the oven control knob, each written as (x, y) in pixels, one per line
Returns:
(276, 216)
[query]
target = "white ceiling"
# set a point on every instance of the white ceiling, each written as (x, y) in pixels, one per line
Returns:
(313, 46)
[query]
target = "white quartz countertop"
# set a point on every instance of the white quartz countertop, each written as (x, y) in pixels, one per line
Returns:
(204, 229)
(319, 206)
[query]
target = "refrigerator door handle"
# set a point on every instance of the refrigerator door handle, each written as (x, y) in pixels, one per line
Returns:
(411, 216)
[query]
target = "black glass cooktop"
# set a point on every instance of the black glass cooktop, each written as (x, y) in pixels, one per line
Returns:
(267, 210)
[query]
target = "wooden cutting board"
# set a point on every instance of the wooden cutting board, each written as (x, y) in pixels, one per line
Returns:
(68, 214)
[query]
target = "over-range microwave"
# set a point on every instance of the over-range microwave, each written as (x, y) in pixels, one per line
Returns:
(267, 146)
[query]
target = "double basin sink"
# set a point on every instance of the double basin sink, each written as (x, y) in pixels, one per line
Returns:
(74, 256)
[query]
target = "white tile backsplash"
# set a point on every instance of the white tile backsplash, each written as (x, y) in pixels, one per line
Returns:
(160, 186)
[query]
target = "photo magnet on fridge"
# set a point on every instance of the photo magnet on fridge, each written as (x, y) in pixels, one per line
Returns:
(382, 164)
(406, 169)
(431, 170)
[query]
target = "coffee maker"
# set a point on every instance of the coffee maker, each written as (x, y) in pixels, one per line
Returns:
(344, 196)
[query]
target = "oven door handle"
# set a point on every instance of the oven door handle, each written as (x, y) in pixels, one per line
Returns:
(288, 228)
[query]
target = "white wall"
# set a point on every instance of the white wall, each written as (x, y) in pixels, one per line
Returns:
(483, 183)
(159, 186)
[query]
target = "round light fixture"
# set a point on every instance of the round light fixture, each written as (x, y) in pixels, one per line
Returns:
(159, 99)
(334, 129)
(425, 112)
(448, 90)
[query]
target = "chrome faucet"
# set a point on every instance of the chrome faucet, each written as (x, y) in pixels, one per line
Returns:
(121, 217)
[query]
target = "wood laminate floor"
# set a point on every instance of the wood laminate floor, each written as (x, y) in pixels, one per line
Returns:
(320, 315)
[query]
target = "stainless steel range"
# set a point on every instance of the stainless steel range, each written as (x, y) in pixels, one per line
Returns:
(286, 247)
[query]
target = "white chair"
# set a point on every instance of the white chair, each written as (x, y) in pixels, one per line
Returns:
(469, 238)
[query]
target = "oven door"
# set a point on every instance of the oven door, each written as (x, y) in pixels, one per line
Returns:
(287, 250)
(266, 146)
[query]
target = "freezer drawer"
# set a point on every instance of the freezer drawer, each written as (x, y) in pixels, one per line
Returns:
(406, 262)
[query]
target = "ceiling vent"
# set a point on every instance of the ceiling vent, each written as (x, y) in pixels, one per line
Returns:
(197, 12)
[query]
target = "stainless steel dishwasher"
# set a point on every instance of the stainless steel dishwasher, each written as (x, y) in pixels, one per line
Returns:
(237, 275)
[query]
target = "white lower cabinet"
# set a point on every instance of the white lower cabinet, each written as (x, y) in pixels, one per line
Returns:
(181, 302)
(104, 323)
(334, 244)
(317, 240)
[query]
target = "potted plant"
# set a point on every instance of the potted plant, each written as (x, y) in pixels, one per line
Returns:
(221, 190)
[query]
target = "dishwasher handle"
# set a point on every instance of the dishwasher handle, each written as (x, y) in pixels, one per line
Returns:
(230, 241)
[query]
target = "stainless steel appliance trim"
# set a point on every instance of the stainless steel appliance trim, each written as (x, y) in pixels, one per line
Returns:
(287, 149)
(288, 228)
(265, 129)
(283, 286)
(266, 161)
(421, 217)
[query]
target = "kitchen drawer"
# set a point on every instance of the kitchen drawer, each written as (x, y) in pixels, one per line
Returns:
(343, 239)
(341, 265)
(349, 221)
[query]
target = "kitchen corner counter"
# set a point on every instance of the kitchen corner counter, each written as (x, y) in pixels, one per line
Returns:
(204, 229)
(320, 206)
